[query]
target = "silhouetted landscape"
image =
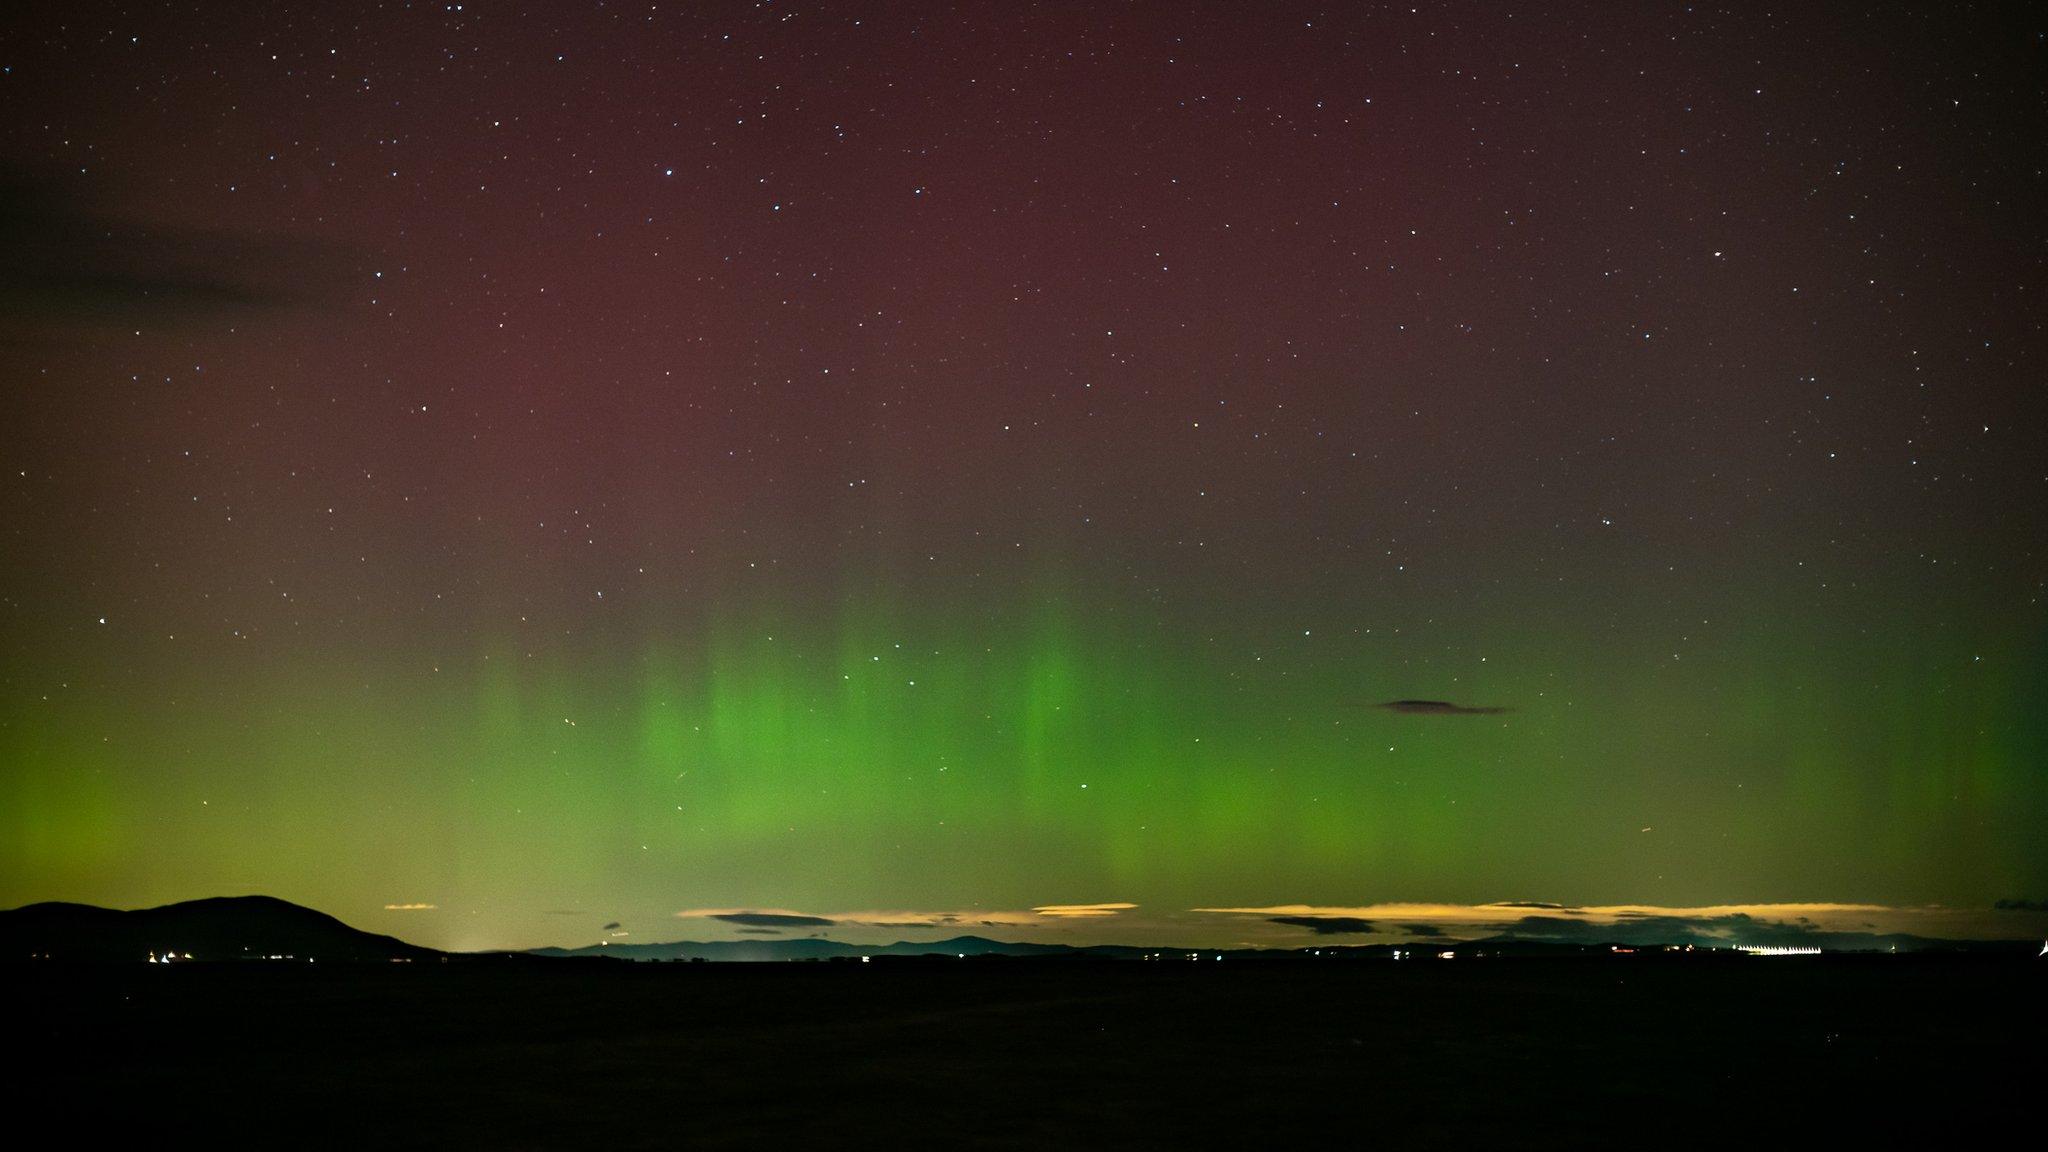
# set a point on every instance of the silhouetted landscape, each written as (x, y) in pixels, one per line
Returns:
(1009, 1046)
(263, 928)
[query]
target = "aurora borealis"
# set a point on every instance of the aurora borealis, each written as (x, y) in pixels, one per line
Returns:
(493, 473)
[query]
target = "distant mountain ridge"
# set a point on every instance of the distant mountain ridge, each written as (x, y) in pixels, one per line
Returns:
(266, 928)
(818, 948)
(974, 947)
(219, 928)
(971, 947)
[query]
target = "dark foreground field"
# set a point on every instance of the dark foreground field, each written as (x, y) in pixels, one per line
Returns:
(1758, 1052)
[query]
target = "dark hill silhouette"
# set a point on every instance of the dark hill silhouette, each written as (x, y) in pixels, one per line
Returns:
(221, 928)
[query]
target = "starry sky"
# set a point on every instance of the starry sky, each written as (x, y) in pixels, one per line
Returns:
(512, 474)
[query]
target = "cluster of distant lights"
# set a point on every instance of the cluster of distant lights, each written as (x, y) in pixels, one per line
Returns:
(172, 957)
(169, 957)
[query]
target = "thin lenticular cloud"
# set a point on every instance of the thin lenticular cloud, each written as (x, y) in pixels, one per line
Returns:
(409, 907)
(1327, 925)
(1068, 911)
(757, 917)
(1440, 708)
(904, 918)
(1036, 917)
(773, 919)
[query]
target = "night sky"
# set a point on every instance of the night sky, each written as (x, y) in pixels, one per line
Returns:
(506, 474)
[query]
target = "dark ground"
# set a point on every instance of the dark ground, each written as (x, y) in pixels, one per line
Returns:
(1645, 1051)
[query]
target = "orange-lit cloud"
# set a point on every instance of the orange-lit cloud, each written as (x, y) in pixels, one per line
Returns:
(1037, 916)
(1508, 911)
(1829, 924)
(1837, 923)
(1066, 911)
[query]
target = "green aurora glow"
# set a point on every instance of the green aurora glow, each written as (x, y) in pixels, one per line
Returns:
(1042, 749)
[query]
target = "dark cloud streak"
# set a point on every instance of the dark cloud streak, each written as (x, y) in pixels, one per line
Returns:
(1440, 708)
(72, 263)
(1327, 925)
(773, 920)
